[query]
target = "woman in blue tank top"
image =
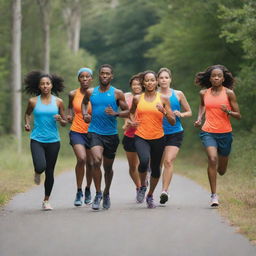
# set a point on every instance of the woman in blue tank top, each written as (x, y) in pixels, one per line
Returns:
(45, 139)
(173, 133)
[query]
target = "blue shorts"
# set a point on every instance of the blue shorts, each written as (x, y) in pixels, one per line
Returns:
(78, 138)
(222, 141)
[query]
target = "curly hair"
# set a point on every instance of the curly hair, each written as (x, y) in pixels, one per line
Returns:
(106, 66)
(32, 81)
(202, 79)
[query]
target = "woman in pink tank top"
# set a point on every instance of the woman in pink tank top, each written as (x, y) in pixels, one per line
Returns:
(129, 130)
(218, 103)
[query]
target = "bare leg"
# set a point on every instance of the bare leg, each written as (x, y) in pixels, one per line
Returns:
(212, 167)
(222, 166)
(80, 153)
(133, 161)
(152, 186)
(169, 156)
(108, 175)
(97, 154)
(89, 168)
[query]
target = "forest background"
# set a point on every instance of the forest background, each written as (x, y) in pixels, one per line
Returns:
(60, 36)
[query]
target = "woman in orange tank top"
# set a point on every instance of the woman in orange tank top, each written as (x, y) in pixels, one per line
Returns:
(78, 136)
(149, 109)
(218, 103)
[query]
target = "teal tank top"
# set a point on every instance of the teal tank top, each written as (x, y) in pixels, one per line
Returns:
(45, 127)
(175, 105)
(102, 123)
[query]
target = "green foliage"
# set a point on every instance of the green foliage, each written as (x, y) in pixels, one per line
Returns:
(119, 39)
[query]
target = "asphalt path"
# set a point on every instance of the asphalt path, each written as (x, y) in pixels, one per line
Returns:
(186, 226)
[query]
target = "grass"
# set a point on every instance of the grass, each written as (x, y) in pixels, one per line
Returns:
(237, 188)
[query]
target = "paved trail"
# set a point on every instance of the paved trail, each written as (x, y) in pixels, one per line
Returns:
(186, 226)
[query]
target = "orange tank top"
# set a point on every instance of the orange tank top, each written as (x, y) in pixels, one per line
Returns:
(150, 118)
(216, 121)
(78, 124)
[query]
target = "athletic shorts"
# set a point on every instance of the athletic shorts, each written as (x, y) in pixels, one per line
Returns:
(128, 144)
(108, 142)
(222, 141)
(174, 139)
(78, 138)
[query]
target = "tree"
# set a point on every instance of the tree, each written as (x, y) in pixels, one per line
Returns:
(72, 18)
(45, 13)
(16, 70)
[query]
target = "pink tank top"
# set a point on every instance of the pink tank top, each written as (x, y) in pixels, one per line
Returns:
(216, 121)
(130, 131)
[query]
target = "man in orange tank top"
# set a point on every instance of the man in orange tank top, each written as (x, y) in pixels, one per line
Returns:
(218, 103)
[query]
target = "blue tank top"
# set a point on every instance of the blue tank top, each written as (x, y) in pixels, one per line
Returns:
(45, 128)
(175, 105)
(101, 122)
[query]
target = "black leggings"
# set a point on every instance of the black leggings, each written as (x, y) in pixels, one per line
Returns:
(44, 159)
(150, 152)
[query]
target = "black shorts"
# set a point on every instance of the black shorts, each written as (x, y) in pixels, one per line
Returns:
(128, 144)
(108, 142)
(174, 139)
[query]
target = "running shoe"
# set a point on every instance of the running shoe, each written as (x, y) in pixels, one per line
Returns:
(141, 194)
(150, 202)
(87, 196)
(37, 178)
(96, 201)
(78, 199)
(164, 197)
(106, 201)
(46, 206)
(214, 202)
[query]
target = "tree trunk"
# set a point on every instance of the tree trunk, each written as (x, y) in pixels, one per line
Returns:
(16, 70)
(72, 17)
(45, 13)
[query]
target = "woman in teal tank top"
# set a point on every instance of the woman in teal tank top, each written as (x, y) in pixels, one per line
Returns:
(45, 140)
(173, 133)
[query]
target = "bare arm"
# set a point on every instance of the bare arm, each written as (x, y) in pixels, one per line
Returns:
(185, 106)
(165, 108)
(70, 111)
(234, 112)
(61, 117)
(124, 113)
(85, 102)
(28, 112)
(201, 110)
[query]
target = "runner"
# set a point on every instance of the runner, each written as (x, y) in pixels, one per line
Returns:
(218, 103)
(45, 139)
(78, 136)
(149, 108)
(128, 139)
(102, 133)
(173, 133)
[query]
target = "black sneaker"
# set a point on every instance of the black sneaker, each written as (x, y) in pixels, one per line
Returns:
(106, 201)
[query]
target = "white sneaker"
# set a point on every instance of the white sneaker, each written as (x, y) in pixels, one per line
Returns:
(37, 178)
(164, 197)
(214, 202)
(46, 206)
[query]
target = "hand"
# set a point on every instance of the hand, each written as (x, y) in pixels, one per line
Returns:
(224, 108)
(177, 113)
(109, 110)
(198, 123)
(161, 108)
(87, 118)
(69, 118)
(57, 117)
(27, 127)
